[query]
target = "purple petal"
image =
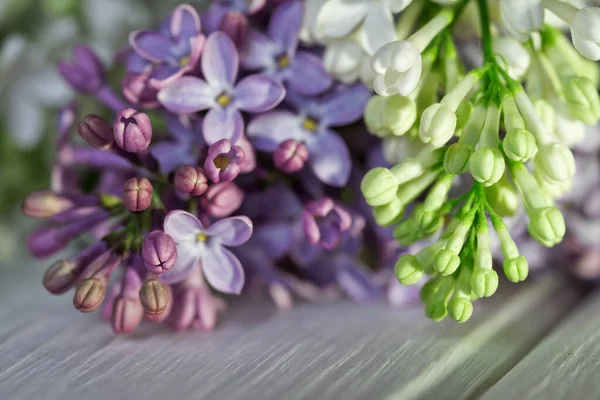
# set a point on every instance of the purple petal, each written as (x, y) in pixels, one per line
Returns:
(163, 74)
(344, 105)
(258, 93)
(212, 18)
(268, 130)
(330, 159)
(171, 155)
(232, 231)
(303, 252)
(255, 6)
(223, 270)
(354, 280)
(220, 61)
(88, 60)
(308, 75)
(285, 24)
(188, 95)
(274, 239)
(151, 45)
(223, 123)
(185, 22)
(182, 226)
(258, 51)
(187, 260)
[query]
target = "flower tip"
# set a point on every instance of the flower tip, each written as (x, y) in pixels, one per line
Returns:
(89, 295)
(137, 194)
(154, 297)
(60, 277)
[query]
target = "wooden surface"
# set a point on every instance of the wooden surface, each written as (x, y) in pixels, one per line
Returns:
(337, 351)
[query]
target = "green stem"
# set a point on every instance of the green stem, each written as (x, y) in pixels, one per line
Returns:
(488, 52)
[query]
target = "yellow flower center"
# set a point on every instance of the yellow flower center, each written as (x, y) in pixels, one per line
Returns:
(221, 161)
(283, 61)
(310, 125)
(223, 99)
(201, 237)
(183, 61)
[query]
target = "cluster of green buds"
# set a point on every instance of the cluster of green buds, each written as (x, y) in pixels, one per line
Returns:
(488, 131)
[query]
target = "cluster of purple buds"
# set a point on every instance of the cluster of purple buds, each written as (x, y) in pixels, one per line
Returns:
(226, 165)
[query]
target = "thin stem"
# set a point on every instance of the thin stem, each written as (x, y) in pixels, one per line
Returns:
(488, 52)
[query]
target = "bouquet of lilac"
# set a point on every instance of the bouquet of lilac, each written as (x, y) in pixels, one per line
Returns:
(236, 155)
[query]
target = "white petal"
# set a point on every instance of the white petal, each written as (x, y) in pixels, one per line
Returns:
(337, 18)
(378, 28)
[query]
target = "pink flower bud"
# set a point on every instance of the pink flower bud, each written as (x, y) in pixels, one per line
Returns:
(222, 199)
(133, 130)
(290, 156)
(154, 296)
(137, 194)
(96, 131)
(60, 277)
(235, 25)
(89, 295)
(159, 252)
(191, 179)
(45, 204)
(127, 314)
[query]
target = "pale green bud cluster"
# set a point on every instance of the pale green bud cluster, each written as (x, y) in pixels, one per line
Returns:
(390, 116)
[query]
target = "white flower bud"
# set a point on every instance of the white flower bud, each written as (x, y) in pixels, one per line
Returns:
(555, 162)
(519, 145)
(438, 123)
(585, 30)
(582, 100)
(390, 116)
(521, 17)
(398, 66)
(513, 55)
(546, 113)
(547, 226)
(456, 159)
(487, 165)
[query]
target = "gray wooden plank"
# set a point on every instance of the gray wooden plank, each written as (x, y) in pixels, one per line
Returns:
(566, 365)
(338, 351)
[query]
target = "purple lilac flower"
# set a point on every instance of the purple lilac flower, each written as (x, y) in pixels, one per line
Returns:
(86, 72)
(329, 156)
(219, 9)
(324, 222)
(132, 130)
(200, 247)
(171, 51)
(222, 199)
(219, 94)
(185, 145)
(276, 54)
(223, 162)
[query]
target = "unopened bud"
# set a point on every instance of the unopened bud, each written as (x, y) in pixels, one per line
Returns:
(133, 130)
(45, 204)
(60, 277)
(222, 199)
(89, 295)
(516, 269)
(583, 100)
(547, 226)
(408, 270)
(519, 145)
(460, 309)
(191, 180)
(484, 282)
(446, 262)
(389, 213)
(159, 252)
(438, 123)
(127, 314)
(487, 165)
(96, 131)
(379, 186)
(456, 159)
(154, 296)
(137, 194)
(290, 156)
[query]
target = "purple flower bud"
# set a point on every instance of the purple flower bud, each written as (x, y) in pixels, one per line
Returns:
(290, 156)
(45, 204)
(133, 130)
(86, 72)
(159, 252)
(137, 194)
(60, 277)
(154, 296)
(96, 131)
(127, 314)
(249, 163)
(235, 25)
(138, 90)
(191, 180)
(223, 161)
(89, 295)
(324, 221)
(222, 199)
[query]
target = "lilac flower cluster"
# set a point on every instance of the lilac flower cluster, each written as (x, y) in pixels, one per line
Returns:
(223, 166)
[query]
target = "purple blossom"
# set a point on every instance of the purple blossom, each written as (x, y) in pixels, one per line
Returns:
(185, 145)
(324, 222)
(200, 247)
(219, 9)
(219, 94)
(276, 54)
(85, 73)
(223, 162)
(159, 252)
(329, 155)
(171, 51)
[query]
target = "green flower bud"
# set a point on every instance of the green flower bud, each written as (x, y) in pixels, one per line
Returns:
(436, 296)
(484, 282)
(456, 159)
(460, 309)
(408, 270)
(438, 123)
(582, 99)
(374, 116)
(519, 145)
(463, 113)
(400, 114)
(556, 162)
(436, 310)
(547, 226)
(516, 269)
(430, 289)
(379, 186)
(427, 221)
(546, 113)
(503, 198)
(487, 165)
(389, 213)
(407, 232)
(446, 262)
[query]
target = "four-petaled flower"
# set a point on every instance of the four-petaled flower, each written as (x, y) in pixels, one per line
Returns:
(200, 247)
(219, 93)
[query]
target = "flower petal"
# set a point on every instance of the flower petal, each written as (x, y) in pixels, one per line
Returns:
(232, 231)
(378, 28)
(223, 123)
(258, 51)
(285, 24)
(354, 280)
(185, 22)
(268, 130)
(222, 270)
(151, 45)
(171, 155)
(330, 159)
(182, 226)
(258, 93)
(274, 239)
(187, 259)
(344, 105)
(187, 95)
(337, 18)
(220, 61)
(308, 75)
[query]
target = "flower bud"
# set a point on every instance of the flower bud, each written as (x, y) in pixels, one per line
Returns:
(127, 314)
(436, 310)
(521, 17)
(60, 277)
(154, 296)
(89, 295)
(400, 59)
(428, 221)
(137, 194)
(407, 232)
(133, 130)
(159, 252)
(45, 204)
(446, 262)
(547, 226)
(138, 90)
(390, 116)
(511, 54)
(519, 145)
(290, 156)
(96, 131)
(222, 199)
(460, 309)
(583, 100)
(584, 30)
(235, 25)
(223, 161)
(389, 213)
(379, 186)
(85, 73)
(484, 282)
(408, 270)
(556, 162)
(516, 269)
(487, 165)
(569, 131)
(456, 159)
(503, 198)
(191, 180)
(438, 123)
